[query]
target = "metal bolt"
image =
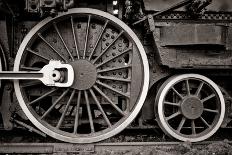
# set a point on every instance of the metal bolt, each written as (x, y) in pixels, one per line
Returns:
(54, 40)
(93, 26)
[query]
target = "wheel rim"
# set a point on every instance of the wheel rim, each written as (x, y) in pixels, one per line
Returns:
(113, 80)
(190, 107)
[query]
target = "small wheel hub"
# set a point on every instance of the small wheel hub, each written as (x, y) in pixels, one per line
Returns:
(85, 74)
(192, 107)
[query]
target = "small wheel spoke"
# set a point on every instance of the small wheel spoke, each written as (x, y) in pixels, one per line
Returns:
(110, 59)
(86, 36)
(62, 40)
(210, 110)
(100, 108)
(199, 89)
(89, 112)
(181, 124)
(208, 98)
(74, 37)
(97, 42)
(204, 121)
(76, 123)
(54, 104)
(37, 54)
(113, 78)
(177, 93)
(47, 43)
(193, 127)
(42, 97)
(105, 50)
(171, 103)
(65, 110)
(187, 87)
(112, 89)
(109, 100)
(173, 116)
(114, 68)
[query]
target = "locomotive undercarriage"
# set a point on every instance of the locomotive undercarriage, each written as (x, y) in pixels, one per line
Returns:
(109, 71)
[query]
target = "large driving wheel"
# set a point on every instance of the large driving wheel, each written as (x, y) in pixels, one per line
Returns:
(110, 83)
(190, 107)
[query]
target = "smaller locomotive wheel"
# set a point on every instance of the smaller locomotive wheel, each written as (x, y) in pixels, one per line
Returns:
(111, 76)
(189, 107)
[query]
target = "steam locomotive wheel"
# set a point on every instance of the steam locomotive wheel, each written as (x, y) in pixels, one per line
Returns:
(110, 83)
(190, 107)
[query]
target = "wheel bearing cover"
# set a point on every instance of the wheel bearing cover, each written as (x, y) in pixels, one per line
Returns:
(98, 137)
(192, 107)
(85, 74)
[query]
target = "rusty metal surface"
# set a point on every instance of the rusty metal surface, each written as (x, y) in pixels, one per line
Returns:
(157, 5)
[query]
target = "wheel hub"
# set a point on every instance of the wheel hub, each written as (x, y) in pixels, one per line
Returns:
(85, 74)
(192, 107)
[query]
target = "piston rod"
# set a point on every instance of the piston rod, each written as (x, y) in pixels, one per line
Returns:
(49, 75)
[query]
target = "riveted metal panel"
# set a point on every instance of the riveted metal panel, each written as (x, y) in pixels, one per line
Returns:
(193, 34)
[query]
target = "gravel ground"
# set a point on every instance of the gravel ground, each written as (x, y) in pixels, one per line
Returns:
(218, 148)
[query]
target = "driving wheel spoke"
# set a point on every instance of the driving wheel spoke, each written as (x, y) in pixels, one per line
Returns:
(77, 113)
(98, 40)
(74, 38)
(54, 104)
(105, 50)
(66, 109)
(49, 45)
(42, 97)
(109, 100)
(112, 89)
(89, 112)
(100, 108)
(62, 40)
